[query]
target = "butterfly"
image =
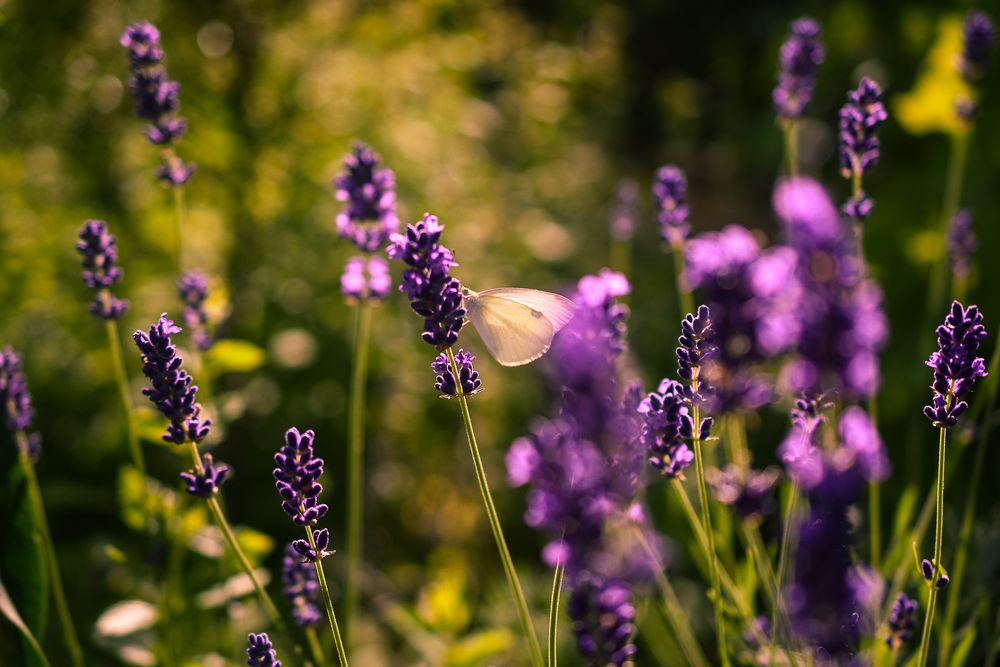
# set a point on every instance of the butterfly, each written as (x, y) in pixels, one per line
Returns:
(517, 324)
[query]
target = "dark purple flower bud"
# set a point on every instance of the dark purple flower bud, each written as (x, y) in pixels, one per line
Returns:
(310, 555)
(369, 217)
(193, 290)
(750, 493)
(166, 131)
(99, 256)
(260, 652)
(15, 399)
(468, 377)
(301, 588)
(902, 621)
(143, 43)
(927, 569)
(295, 478)
(206, 484)
(980, 36)
(366, 279)
(623, 219)
(858, 140)
(603, 619)
(956, 366)
(171, 389)
(175, 173)
(962, 243)
(942, 580)
(665, 416)
(434, 295)
(670, 193)
(799, 59)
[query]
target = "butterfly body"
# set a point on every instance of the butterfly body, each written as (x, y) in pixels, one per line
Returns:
(517, 324)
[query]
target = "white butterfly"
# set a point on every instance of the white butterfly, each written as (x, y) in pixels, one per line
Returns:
(517, 324)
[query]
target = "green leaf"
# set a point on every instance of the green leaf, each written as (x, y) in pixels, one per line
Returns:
(477, 648)
(24, 567)
(962, 650)
(233, 356)
(9, 611)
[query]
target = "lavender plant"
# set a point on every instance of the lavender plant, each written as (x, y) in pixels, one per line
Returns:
(670, 195)
(858, 142)
(799, 59)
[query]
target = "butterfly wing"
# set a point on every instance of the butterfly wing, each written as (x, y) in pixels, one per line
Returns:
(557, 309)
(514, 333)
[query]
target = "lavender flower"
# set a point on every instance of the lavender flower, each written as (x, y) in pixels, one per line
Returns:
(623, 219)
(369, 191)
(15, 400)
(604, 622)
(207, 483)
(752, 296)
(308, 553)
(260, 651)
(749, 493)
(468, 377)
(841, 325)
(295, 478)
(666, 423)
(962, 243)
(366, 279)
(170, 387)
(862, 444)
(799, 451)
(99, 251)
(800, 56)
(956, 366)
(696, 347)
(902, 621)
(157, 99)
(927, 570)
(301, 588)
(858, 139)
(670, 193)
(193, 289)
(980, 37)
(601, 315)
(433, 293)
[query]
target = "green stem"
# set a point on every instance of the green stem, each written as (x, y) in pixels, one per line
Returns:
(925, 638)
(786, 535)
(791, 135)
(706, 519)
(118, 361)
(557, 582)
(314, 646)
(755, 545)
(234, 545)
(524, 617)
(58, 593)
(356, 475)
(961, 556)
(875, 521)
(330, 614)
(685, 300)
(677, 617)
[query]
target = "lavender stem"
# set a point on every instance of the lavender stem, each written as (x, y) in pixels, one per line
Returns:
(331, 615)
(925, 638)
(786, 535)
(523, 615)
(557, 583)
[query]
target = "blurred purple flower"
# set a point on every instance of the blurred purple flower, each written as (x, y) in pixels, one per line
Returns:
(296, 478)
(15, 400)
(468, 377)
(670, 193)
(600, 314)
(962, 243)
(369, 191)
(170, 390)
(143, 43)
(193, 290)
(433, 293)
(902, 621)
(858, 139)
(99, 252)
(603, 618)
(799, 59)
(980, 36)
(956, 366)
(799, 451)
(301, 588)
(861, 441)
(623, 219)
(749, 493)
(366, 279)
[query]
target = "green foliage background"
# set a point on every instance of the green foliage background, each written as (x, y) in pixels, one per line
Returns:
(512, 122)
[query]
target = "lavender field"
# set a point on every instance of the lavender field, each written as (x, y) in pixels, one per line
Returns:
(498, 334)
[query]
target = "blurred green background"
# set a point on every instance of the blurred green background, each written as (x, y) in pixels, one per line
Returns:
(511, 121)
